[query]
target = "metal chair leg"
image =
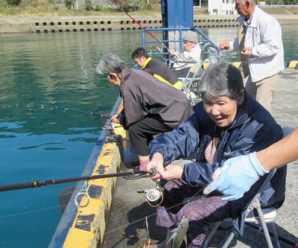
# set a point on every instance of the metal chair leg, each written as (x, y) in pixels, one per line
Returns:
(275, 235)
(265, 228)
(210, 235)
(229, 240)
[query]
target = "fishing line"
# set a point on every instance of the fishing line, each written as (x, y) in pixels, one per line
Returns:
(118, 228)
(154, 214)
(31, 211)
(44, 107)
(139, 24)
(35, 184)
(145, 217)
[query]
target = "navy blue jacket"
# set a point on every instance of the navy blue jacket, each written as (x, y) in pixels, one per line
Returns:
(252, 130)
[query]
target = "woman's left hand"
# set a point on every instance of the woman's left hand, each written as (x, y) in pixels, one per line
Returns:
(172, 172)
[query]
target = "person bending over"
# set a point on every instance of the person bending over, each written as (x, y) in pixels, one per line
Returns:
(150, 107)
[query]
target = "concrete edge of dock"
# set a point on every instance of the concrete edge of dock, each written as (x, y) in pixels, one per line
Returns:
(109, 23)
(293, 64)
(83, 223)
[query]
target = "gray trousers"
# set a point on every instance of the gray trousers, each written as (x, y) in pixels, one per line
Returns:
(262, 90)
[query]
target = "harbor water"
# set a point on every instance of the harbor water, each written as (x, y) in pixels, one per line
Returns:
(50, 105)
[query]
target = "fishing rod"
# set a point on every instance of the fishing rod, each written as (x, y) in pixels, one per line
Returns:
(139, 24)
(36, 184)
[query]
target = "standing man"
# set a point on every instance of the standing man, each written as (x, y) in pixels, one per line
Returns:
(156, 68)
(261, 50)
(150, 107)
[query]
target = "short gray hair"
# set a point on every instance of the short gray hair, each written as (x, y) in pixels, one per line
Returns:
(110, 63)
(221, 79)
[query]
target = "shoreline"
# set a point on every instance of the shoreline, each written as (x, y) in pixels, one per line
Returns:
(16, 24)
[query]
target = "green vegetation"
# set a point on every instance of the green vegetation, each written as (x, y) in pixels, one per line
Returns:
(137, 7)
(66, 7)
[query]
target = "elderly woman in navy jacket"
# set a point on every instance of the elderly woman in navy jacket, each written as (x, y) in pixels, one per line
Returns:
(226, 124)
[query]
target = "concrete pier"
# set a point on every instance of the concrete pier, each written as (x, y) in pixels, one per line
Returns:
(127, 222)
(109, 23)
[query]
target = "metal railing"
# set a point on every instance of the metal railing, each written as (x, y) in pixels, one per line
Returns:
(209, 48)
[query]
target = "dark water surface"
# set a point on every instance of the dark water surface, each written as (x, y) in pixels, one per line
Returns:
(49, 101)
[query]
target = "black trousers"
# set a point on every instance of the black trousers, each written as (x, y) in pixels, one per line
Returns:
(142, 132)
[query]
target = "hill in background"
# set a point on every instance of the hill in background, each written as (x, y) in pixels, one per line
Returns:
(39, 8)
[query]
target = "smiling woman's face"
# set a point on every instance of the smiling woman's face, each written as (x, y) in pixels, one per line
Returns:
(221, 109)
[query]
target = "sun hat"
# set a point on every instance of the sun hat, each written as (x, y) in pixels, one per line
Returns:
(190, 36)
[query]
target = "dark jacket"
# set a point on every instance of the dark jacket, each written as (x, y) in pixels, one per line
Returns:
(160, 70)
(143, 95)
(252, 130)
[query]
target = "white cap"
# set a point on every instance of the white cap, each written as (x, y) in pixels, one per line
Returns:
(190, 36)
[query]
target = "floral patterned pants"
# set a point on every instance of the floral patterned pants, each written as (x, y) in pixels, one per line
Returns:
(179, 202)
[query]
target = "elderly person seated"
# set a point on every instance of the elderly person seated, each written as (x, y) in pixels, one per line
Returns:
(150, 107)
(226, 124)
(191, 53)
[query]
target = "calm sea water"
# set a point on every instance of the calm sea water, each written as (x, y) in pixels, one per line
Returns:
(49, 90)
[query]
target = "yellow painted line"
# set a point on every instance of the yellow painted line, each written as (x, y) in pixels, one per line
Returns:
(293, 64)
(88, 227)
(92, 216)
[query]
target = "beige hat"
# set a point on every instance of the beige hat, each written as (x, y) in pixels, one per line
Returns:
(190, 36)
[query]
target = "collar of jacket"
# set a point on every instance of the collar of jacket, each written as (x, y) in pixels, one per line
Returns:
(254, 18)
(124, 76)
(146, 62)
(243, 112)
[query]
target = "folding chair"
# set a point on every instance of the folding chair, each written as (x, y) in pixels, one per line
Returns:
(255, 214)
(191, 81)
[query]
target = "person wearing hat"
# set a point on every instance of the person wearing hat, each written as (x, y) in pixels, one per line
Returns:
(191, 54)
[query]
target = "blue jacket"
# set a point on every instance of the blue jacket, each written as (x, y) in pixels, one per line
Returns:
(253, 129)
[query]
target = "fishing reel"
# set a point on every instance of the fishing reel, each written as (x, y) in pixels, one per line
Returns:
(154, 196)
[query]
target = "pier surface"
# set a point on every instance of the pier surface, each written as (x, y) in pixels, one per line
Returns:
(127, 221)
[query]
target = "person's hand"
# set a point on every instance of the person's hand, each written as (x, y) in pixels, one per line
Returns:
(224, 45)
(172, 172)
(236, 176)
(246, 52)
(115, 118)
(171, 52)
(156, 164)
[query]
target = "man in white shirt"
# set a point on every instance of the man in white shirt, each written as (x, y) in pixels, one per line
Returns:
(261, 50)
